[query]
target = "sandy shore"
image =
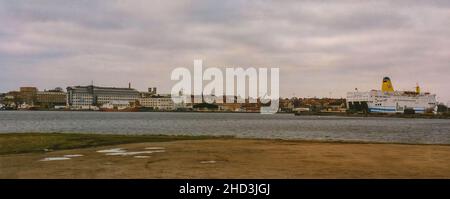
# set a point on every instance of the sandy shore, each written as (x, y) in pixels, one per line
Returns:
(236, 158)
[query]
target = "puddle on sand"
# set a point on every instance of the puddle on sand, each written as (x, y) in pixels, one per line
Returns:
(141, 156)
(64, 157)
(155, 148)
(123, 152)
(208, 162)
(54, 159)
(134, 153)
(73, 156)
(115, 150)
(158, 151)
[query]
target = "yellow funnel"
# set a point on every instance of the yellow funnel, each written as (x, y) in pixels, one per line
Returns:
(387, 85)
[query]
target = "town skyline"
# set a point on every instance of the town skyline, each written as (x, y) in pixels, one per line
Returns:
(323, 48)
(130, 85)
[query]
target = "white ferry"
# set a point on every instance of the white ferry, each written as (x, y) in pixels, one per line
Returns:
(387, 100)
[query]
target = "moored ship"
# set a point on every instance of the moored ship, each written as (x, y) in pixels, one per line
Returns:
(387, 100)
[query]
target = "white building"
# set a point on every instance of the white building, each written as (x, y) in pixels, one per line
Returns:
(92, 97)
(158, 102)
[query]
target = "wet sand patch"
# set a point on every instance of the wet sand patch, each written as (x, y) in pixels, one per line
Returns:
(142, 156)
(64, 157)
(125, 152)
(54, 159)
(208, 162)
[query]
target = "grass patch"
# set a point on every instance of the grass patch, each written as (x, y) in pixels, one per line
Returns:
(13, 143)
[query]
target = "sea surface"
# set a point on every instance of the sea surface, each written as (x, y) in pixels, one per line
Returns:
(248, 125)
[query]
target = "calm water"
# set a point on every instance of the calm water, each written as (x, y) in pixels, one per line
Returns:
(285, 126)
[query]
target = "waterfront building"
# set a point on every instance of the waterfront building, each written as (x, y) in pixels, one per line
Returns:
(51, 98)
(88, 97)
(230, 107)
(151, 92)
(252, 107)
(11, 99)
(286, 105)
(158, 102)
(336, 107)
(2, 101)
(31, 97)
(28, 95)
(2, 97)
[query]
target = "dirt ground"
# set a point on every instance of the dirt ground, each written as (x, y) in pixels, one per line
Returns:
(237, 158)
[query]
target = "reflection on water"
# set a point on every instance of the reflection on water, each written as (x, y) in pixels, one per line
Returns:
(284, 126)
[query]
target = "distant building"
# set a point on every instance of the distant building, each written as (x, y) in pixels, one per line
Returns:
(2, 103)
(286, 105)
(51, 99)
(87, 97)
(230, 107)
(251, 107)
(2, 97)
(31, 97)
(336, 106)
(28, 95)
(158, 102)
(151, 92)
(11, 99)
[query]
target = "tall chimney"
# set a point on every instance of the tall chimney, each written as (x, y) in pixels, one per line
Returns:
(129, 84)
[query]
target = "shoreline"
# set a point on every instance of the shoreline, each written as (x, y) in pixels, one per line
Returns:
(216, 157)
(336, 114)
(106, 139)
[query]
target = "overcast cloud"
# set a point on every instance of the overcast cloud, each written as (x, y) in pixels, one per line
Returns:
(322, 48)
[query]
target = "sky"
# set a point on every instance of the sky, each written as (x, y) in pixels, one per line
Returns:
(323, 48)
